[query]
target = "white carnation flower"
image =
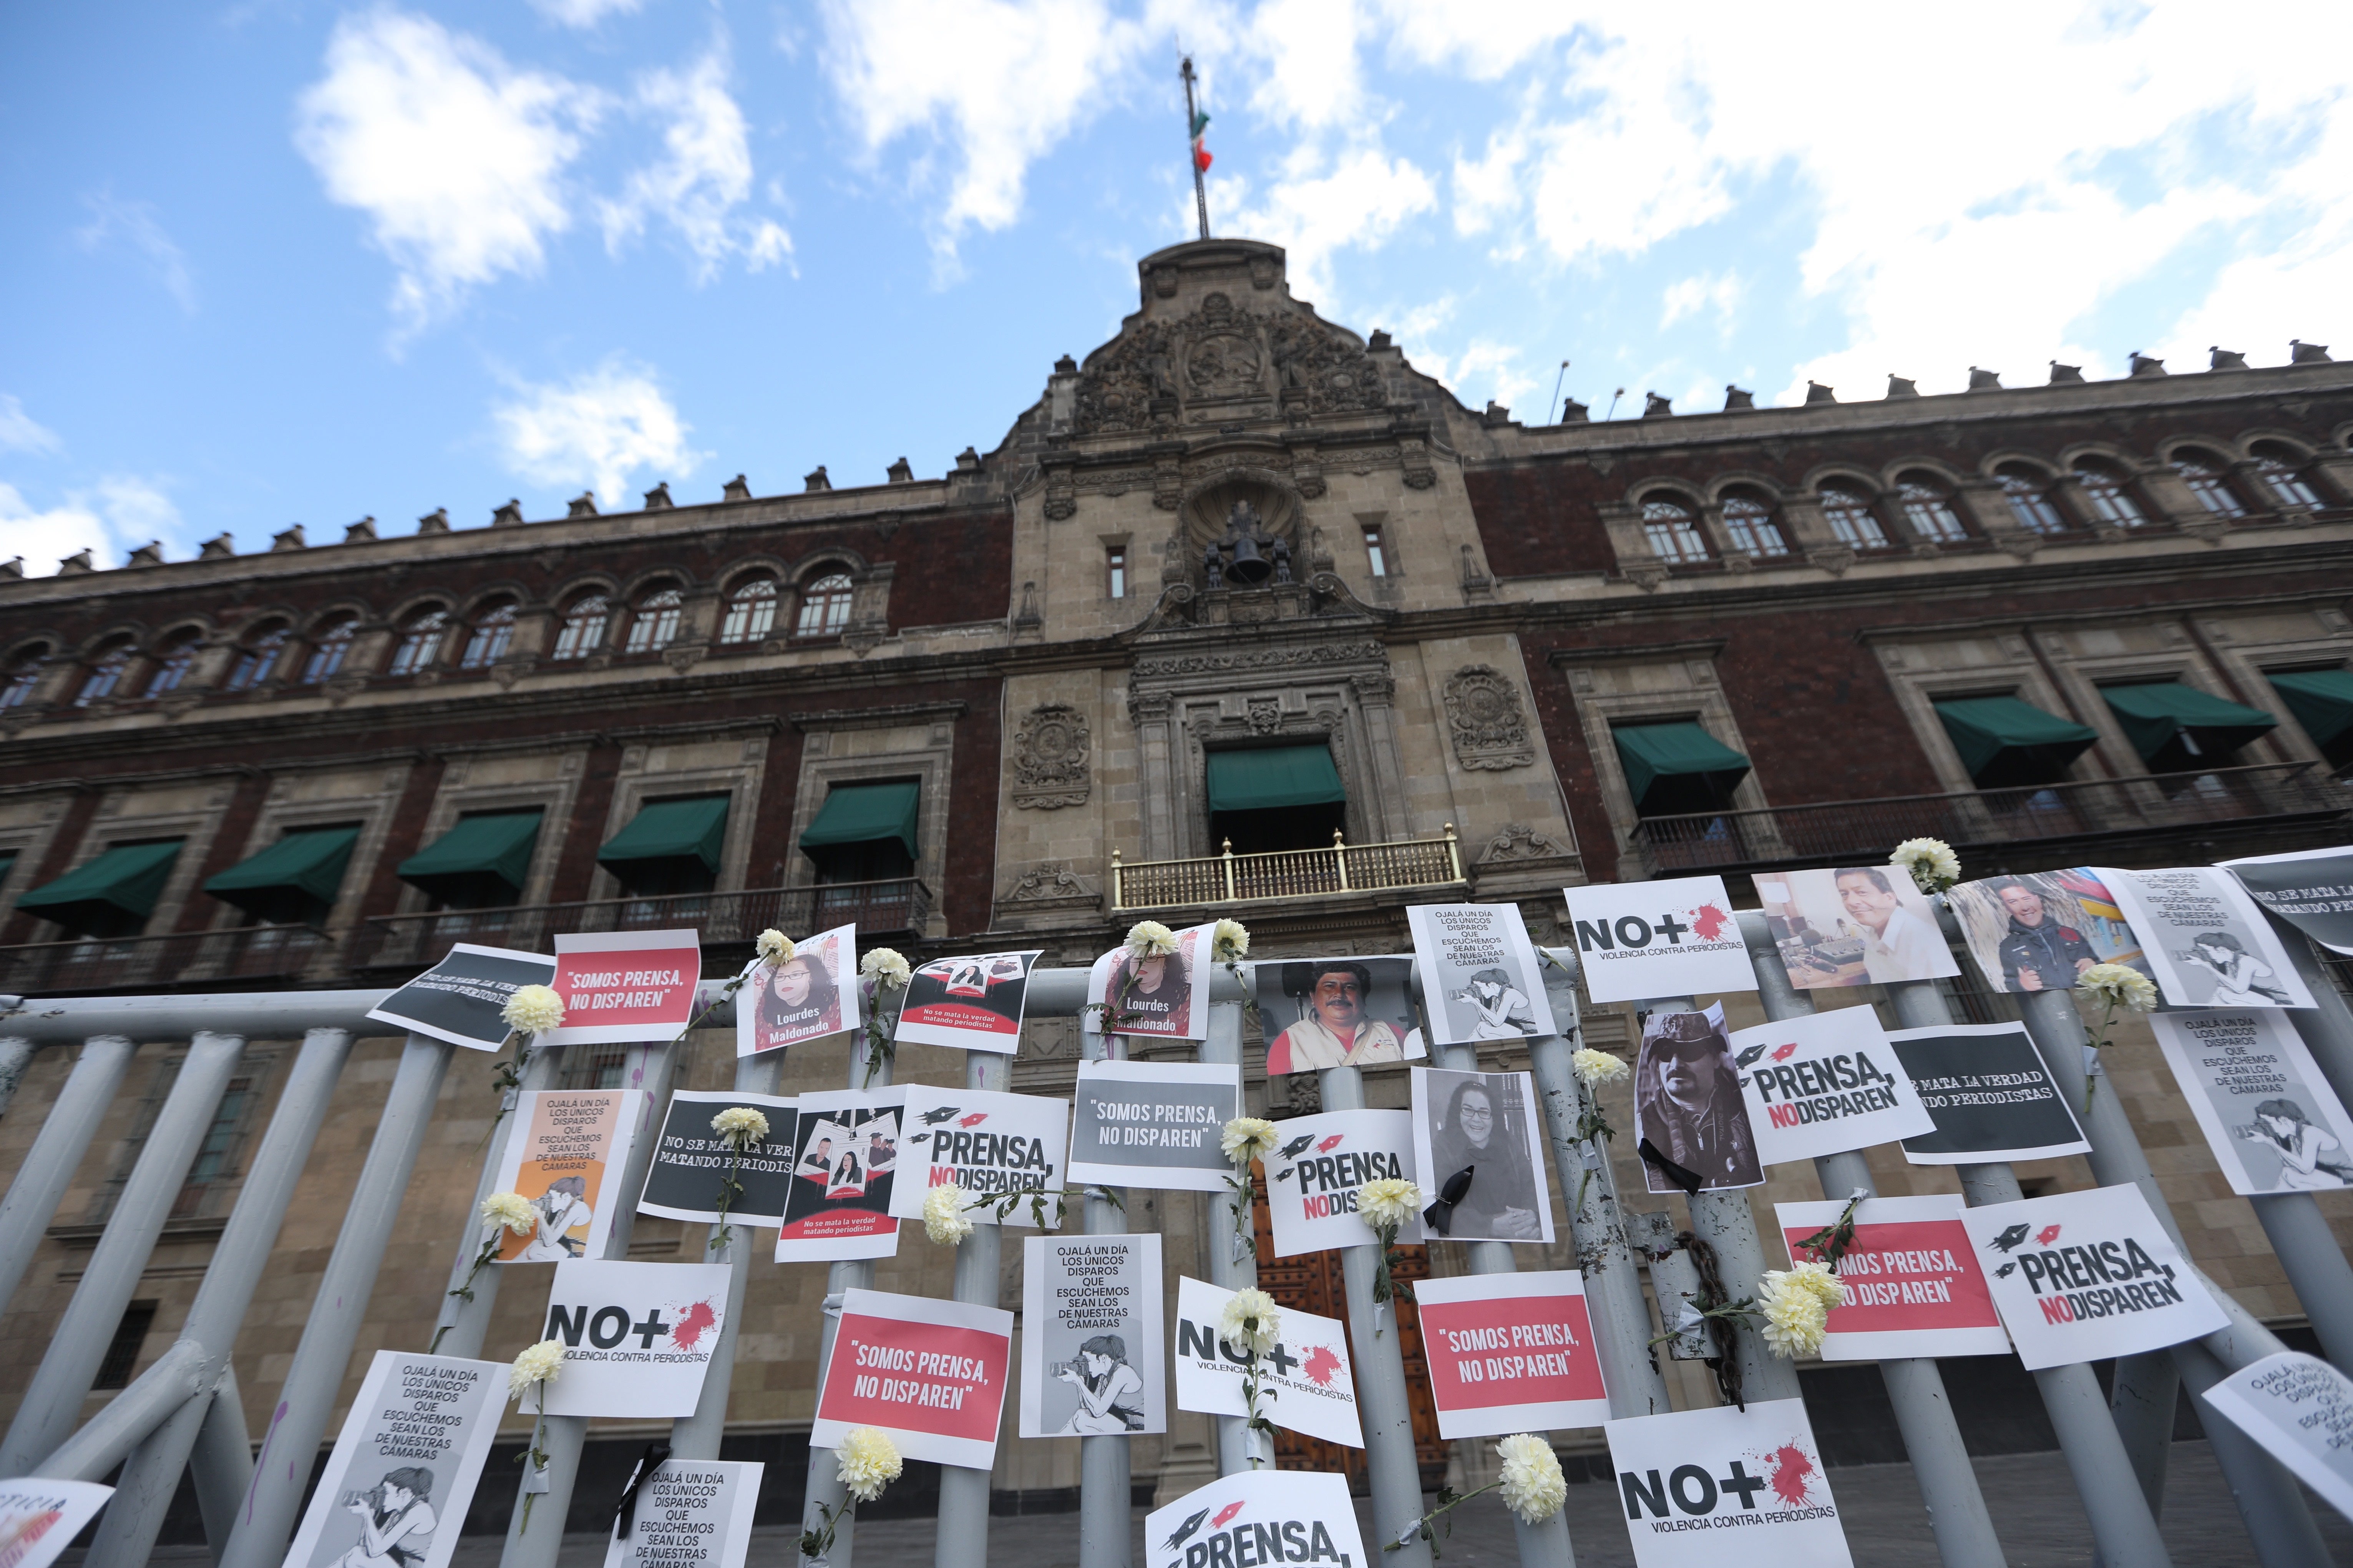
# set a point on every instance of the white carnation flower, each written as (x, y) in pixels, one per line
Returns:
(868, 1461)
(532, 1010)
(1795, 1313)
(774, 946)
(1250, 1324)
(1150, 939)
(1820, 1280)
(1229, 941)
(512, 1210)
(1931, 861)
(739, 1125)
(538, 1364)
(1248, 1138)
(1387, 1201)
(1597, 1067)
(944, 1218)
(884, 964)
(1534, 1487)
(2118, 986)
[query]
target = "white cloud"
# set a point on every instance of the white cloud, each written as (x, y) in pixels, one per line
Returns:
(1314, 212)
(457, 159)
(584, 13)
(119, 514)
(597, 430)
(1308, 49)
(1721, 292)
(135, 223)
(20, 432)
(704, 175)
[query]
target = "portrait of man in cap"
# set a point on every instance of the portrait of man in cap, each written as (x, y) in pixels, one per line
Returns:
(1688, 1106)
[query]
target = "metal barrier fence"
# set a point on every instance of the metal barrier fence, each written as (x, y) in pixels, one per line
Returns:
(184, 1412)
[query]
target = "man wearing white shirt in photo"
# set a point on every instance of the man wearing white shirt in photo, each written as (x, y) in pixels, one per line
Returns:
(1896, 943)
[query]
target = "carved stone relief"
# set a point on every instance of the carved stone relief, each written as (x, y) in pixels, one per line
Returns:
(1221, 362)
(1050, 758)
(1491, 731)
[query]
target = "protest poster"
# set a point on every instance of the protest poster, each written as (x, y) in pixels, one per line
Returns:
(1852, 925)
(1756, 1472)
(1689, 1115)
(988, 1143)
(461, 998)
(1259, 1517)
(1164, 996)
(971, 1004)
(1483, 1124)
(2312, 890)
(637, 1336)
(931, 1374)
(2040, 930)
(2088, 1275)
(1671, 938)
(1305, 1384)
(1318, 1013)
(404, 1466)
(1090, 1337)
(1821, 1083)
(1510, 1352)
(691, 1161)
(2300, 1409)
(2207, 944)
(1313, 1176)
(846, 1154)
(810, 996)
(1479, 975)
(563, 1144)
(687, 1513)
(620, 986)
(1990, 1095)
(39, 1518)
(1912, 1285)
(2273, 1122)
(1155, 1124)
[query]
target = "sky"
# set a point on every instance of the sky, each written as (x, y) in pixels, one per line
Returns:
(272, 262)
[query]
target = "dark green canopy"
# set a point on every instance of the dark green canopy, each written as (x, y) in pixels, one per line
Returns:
(308, 864)
(1273, 777)
(2321, 700)
(670, 830)
(2155, 715)
(866, 812)
(125, 880)
(2003, 741)
(493, 848)
(1653, 753)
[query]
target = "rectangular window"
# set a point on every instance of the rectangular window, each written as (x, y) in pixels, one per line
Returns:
(215, 1160)
(1116, 571)
(123, 1351)
(1377, 553)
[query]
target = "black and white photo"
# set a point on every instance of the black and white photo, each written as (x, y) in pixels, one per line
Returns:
(1479, 975)
(1485, 1124)
(1689, 1111)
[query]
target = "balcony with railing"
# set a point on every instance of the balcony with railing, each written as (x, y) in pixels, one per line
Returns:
(253, 956)
(1285, 873)
(2082, 812)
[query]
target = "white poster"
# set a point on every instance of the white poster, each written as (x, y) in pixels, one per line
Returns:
(989, 1144)
(689, 1513)
(1991, 1095)
(2273, 1122)
(1673, 938)
(2089, 1275)
(1155, 1124)
(623, 986)
(1313, 1176)
(1825, 1082)
(565, 1144)
(1690, 1118)
(1090, 1337)
(1257, 1517)
(1912, 1285)
(1755, 1474)
(404, 1466)
(1479, 975)
(462, 999)
(971, 1004)
(636, 1337)
(2300, 1409)
(808, 997)
(1163, 997)
(845, 1167)
(931, 1374)
(2312, 890)
(38, 1518)
(2207, 944)
(1305, 1384)
(692, 1161)
(1480, 1150)
(1510, 1352)
(1852, 925)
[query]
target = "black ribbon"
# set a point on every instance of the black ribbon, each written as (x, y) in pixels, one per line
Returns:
(1689, 1180)
(1440, 1215)
(625, 1516)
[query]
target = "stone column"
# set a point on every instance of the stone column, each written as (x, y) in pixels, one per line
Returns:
(1384, 810)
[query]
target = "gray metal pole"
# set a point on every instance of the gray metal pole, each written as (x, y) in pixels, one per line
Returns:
(222, 1462)
(2328, 1025)
(1916, 1388)
(1106, 1478)
(178, 1377)
(697, 1437)
(15, 1056)
(963, 1541)
(126, 1534)
(307, 1398)
(2316, 1267)
(2271, 1502)
(53, 1399)
(1232, 1267)
(467, 1323)
(64, 1138)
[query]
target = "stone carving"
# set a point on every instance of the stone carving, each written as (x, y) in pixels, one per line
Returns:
(1050, 767)
(1265, 714)
(1222, 353)
(1262, 659)
(1518, 841)
(1047, 881)
(1491, 732)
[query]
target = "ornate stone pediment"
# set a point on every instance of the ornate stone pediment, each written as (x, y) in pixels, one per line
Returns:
(1491, 729)
(1050, 758)
(1224, 362)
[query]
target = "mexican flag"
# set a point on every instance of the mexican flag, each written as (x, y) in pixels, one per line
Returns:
(1200, 154)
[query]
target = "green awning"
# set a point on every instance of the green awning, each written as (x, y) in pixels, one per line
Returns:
(310, 863)
(2321, 700)
(128, 877)
(863, 814)
(2000, 738)
(493, 845)
(670, 830)
(2156, 714)
(1272, 777)
(1650, 753)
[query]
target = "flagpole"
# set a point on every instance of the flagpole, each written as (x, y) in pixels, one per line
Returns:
(1192, 140)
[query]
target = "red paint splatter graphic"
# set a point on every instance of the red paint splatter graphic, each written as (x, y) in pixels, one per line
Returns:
(691, 1323)
(1330, 1143)
(1784, 1053)
(2047, 1235)
(975, 1119)
(1224, 1514)
(1320, 1364)
(1790, 1469)
(1709, 923)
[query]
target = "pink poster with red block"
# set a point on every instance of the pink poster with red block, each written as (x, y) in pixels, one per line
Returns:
(930, 1373)
(1913, 1283)
(1511, 1353)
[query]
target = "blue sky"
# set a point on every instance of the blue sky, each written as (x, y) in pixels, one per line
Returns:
(277, 262)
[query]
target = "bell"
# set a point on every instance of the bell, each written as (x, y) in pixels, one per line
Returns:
(1250, 568)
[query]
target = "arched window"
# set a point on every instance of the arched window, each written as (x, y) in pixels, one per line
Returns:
(2030, 499)
(2202, 472)
(751, 612)
(584, 626)
(2104, 488)
(1748, 518)
(2282, 473)
(420, 643)
(1848, 511)
(1929, 510)
(487, 643)
(329, 644)
(825, 607)
(171, 665)
(105, 672)
(655, 623)
(24, 675)
(257, 658)
(1674, 537)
